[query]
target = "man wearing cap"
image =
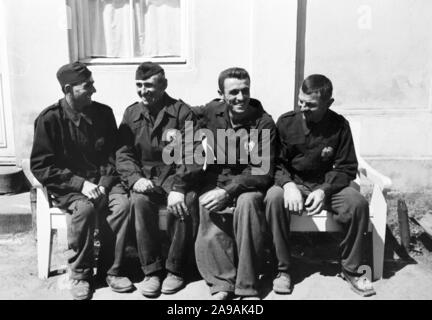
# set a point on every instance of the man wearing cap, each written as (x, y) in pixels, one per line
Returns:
(73, 155)
(315, 166)
(147, 128)
(230, 238)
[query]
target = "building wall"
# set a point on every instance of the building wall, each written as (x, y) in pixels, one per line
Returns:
(219, 38)
(379, 56)
(37, 45)
(262, 37)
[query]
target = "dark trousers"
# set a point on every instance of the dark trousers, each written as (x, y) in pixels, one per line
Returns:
(350, 209)
(112, 213)
(229, 247)
(145, 209)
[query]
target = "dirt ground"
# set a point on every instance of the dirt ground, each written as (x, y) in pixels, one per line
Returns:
(315, 265)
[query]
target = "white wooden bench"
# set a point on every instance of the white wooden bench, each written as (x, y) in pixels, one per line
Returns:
(49, 218)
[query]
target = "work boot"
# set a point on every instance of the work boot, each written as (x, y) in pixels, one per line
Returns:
(358, 283)
(221, 295)
(80, 289)
(172, 283)
(150, 286)
(119, 284)
(250, 298)
(282, 283)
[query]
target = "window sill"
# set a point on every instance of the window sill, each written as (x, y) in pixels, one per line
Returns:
(133, 61)
(413, 111)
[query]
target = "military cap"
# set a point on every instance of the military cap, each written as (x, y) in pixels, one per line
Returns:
(73, 73)
(147, 69)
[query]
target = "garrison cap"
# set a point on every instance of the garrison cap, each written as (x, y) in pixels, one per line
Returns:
(147, 69)
(73, 73)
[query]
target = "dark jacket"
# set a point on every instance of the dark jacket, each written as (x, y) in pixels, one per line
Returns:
(322, 159)
(69, 148)
(244, 174)
(143, 143)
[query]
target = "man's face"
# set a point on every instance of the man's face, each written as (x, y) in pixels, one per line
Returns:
(151, 89)
(312, 107)
(236, 94)
(81, 93)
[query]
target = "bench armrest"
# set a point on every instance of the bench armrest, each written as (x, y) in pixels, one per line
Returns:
(374, 175)
(25, 164)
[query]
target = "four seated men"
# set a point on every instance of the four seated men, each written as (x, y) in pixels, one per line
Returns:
(121, 177)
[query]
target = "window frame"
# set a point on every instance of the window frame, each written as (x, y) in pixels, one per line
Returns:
(75, 41)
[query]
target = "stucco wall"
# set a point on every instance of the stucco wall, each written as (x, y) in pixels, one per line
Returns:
(260, 36)
(222, 34)
(37, 46)
(379, 56)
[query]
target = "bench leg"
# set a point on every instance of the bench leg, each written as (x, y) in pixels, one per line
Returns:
(43, 224)
(378, 207)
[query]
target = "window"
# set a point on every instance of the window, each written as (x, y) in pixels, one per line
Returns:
(377, 53)
(128, 31)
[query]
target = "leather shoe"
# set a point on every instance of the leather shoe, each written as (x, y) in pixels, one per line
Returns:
(282, 283)
(80, 289)
(119, 284)
(221, 295)
(172, 284)
(359, 284)
(150, 286)
(250, 298)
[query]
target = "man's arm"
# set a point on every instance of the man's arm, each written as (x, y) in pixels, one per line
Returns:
(127, 163)
(345, 164)
(45, 162)
(257, 176)
(187, 172)
(293, 200)
(109, 176)
(282, 175)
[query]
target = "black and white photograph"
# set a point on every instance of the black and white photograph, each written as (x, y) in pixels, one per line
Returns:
(215, 150)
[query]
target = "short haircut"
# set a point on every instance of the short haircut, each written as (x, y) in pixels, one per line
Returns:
(147, 69)
(236, 73)
(320, 84)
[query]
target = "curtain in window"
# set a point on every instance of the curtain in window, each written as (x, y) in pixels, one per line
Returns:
(130, 28)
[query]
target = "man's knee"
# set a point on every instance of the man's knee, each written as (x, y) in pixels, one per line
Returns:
(139, 201)
(354, 206)
(119, 205)
(250, 198)
(83, 209)
(250, 204)
(191, 198)
(359, 206)
(274, 195)
(274, 204)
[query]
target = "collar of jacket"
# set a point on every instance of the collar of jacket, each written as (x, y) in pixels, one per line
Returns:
(167, 104)
(73, 115)
(323, 123)
(222, 111)
(296, 129)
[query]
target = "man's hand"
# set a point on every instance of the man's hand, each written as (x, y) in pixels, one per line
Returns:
(293, 200)
(215, 199)
(176, 204)
(92, 191)
(315, 202)
(102, 190)
(142, 185)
